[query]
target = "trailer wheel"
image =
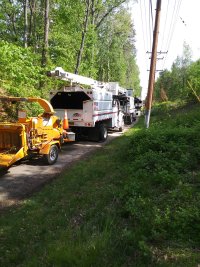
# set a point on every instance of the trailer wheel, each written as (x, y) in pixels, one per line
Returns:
(52, 157)
(103, 132)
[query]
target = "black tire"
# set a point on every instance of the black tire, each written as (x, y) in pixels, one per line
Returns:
(121, 128)
(52, 157)
(128, 120)
(134, 118)
(103, 132)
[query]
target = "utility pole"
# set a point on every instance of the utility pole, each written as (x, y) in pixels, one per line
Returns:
(153, 64)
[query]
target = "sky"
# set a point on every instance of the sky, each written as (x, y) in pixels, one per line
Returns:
(179, 23)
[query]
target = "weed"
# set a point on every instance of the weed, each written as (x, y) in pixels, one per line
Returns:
(134, 203)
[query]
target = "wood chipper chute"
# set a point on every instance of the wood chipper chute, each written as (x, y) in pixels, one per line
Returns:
(42, 135)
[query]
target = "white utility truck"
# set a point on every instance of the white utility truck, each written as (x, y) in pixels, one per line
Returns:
(138, 106)
(127, 102)
(91, 107)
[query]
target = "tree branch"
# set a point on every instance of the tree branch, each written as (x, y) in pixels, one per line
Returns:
(108, 12)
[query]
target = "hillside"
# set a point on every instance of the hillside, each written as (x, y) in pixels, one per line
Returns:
(134, 203)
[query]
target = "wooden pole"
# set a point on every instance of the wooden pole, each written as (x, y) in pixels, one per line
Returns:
(153, 64)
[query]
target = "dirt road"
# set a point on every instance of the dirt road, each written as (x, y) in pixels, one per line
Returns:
(28, 176)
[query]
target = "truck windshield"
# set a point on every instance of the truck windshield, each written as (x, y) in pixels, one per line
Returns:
(69, 100)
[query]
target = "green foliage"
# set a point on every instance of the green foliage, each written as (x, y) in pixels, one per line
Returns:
(194, 79)
(116, 58)
(142, 208)
(175, 82)
(20, 73)
(70, 223)
(65, 33)
(11, 21)
(107, 20)
(161, 197)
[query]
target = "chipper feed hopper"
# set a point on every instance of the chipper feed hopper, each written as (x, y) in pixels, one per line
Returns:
(35, 135)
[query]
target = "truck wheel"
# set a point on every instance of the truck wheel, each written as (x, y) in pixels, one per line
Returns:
(103, 132)
(51, 158)
(121, 128)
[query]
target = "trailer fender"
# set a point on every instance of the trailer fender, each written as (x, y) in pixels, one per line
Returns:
(46, 148)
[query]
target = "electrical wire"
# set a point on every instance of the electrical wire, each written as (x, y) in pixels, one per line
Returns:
(150, 24)
(146, 27)
(173, 22)
(151, 13)
(144, 42)
(164, 26)
(152, 19)
(172, 27)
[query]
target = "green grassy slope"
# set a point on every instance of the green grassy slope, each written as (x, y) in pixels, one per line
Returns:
(134, 203)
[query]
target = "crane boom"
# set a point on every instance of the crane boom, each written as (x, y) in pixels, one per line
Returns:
(75, 78)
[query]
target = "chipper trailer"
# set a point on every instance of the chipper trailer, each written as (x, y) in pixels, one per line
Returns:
(41, 135)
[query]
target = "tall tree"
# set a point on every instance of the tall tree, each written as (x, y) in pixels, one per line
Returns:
(116, 55)
(104, 9)
(25, 23)
(46, 34)
(98, 11)
(11, 12)
(32, 23)
(84, 31)
(92, 37)
(174, 82)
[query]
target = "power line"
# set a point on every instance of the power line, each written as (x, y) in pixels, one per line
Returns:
(144, 42)
(151, 13)
(172, 27)
(172, 19)
(165, 25)
(150, 21)
(146, 27)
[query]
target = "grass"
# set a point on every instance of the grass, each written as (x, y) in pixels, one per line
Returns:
(70, 222)
(134, 203)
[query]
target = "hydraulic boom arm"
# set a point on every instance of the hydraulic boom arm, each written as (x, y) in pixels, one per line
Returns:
(75, 78)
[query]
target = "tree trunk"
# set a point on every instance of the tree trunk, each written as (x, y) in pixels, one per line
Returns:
(34, 31)
(85, 24)
(25, 24)
(12, 17)
(93, 27)
(46, 34)
(32, 7)
(32, 24)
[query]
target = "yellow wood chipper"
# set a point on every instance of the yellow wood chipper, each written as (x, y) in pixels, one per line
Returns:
(42, 135)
